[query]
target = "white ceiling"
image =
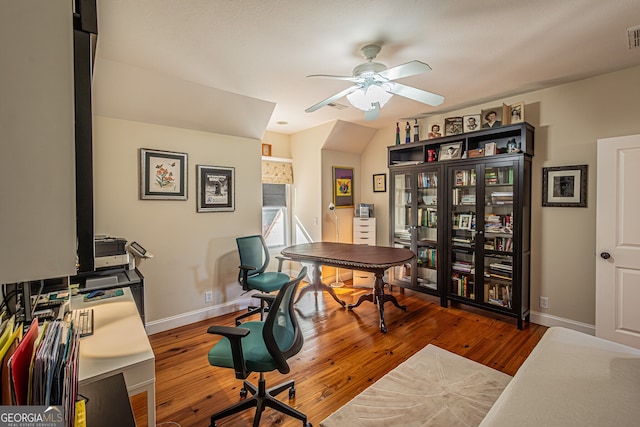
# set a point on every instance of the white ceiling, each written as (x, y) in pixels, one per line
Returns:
(262, 50)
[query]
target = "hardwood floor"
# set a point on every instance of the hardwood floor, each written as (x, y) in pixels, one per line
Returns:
(344, 352)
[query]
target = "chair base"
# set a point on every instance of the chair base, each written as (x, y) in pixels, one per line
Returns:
(260, 399)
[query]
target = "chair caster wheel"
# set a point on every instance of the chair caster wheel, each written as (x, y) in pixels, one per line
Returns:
(243, 394)
(305, 425)
(292, 392)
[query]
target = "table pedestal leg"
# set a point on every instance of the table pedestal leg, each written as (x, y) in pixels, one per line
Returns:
(317, 285)
(378, 297)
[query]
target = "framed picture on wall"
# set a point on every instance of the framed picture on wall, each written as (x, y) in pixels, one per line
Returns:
(380, 183)
(343, 187)
(216, 188)
(163, 175)
(565, 186)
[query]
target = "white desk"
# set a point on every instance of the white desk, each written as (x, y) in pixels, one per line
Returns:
(119, 344)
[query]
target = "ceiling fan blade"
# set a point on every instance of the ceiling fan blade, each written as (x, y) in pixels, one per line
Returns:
(329, 100)
(405, 70)
(327, 76)
(374, 113)
(416, 94)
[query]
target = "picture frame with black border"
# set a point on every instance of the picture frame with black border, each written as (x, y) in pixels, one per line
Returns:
(216, 188)
(451, 151)
(163, 175)
(565, 186)
(380, 183)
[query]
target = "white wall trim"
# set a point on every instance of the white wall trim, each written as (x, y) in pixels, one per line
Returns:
(183, 319)
(550, 320)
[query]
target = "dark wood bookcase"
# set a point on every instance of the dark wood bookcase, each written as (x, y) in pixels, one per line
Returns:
(467, 219)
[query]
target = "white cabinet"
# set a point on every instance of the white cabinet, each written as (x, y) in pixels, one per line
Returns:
(37, 207)
(364, 233)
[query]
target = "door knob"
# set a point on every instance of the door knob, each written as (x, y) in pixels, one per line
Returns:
(605, 255)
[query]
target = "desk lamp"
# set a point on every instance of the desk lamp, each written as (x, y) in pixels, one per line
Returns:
(338, 282)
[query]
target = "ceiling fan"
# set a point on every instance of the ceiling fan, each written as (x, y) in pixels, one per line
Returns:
(374, 85)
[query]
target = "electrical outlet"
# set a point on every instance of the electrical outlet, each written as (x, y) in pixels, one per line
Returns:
(544, 302)
(208, 296)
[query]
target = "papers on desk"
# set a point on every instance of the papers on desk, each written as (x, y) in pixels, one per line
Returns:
(40, 368)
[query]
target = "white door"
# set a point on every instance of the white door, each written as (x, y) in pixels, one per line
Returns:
(618, 240)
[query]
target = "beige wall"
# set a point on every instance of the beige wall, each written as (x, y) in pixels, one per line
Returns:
(194, 252)
(280, 144)
(568, 121)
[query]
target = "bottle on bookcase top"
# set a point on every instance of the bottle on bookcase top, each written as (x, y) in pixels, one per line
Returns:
(407, 128)
(416, 131)
(397, 133)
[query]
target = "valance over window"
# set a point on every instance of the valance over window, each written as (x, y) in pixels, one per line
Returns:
(277, 172)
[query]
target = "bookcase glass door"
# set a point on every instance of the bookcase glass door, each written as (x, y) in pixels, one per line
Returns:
(403, 222)
(427, 230)
(498, 235)
(463, 232)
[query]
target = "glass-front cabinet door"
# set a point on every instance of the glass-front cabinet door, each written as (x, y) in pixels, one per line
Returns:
(427, 229)
(498, 246)
(415, 211)
(403, 231)
(482, 240)
(463, 232)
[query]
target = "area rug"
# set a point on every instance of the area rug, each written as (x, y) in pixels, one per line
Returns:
(432, 388)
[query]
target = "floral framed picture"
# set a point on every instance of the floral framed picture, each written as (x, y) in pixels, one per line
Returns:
(343, 187)
(565, 186)
(163, 175)
(216, 189)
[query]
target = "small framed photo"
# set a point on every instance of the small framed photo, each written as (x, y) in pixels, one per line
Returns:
(452, 126)
(434, 132)
(491, 117)
(343, 187)
(516, 112)
(464, 222)
(490, 149)
(215, 188)
(163, 175)
(266, 149)
(380, 183)
(565, 186)
(450, 151)
(471, 123)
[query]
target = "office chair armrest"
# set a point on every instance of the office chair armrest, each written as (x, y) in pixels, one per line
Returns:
(281, 259)
(230, 332)
(235, 335)
(245, 273)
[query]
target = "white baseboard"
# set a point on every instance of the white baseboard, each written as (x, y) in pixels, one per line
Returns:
(550, 320)
(183, 319)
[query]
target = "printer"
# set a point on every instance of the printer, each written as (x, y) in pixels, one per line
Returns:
(110, 252)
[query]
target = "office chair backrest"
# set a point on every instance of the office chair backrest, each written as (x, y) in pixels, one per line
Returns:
(281, 331)
(254, 253)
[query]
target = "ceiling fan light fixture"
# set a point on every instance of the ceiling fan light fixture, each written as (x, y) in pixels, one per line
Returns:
(365, 98)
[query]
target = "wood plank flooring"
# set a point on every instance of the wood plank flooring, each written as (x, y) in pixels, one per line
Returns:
(344, 352)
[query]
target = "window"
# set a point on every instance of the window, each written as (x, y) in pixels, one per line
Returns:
(276, 215)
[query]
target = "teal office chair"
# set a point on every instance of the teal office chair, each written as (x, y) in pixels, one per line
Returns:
(254, 260)
(261, 346)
